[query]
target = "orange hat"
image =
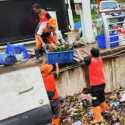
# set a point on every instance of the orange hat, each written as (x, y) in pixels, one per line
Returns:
(46, 69)
(52, 23)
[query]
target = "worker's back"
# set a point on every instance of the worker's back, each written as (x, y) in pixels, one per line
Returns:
(96, 72)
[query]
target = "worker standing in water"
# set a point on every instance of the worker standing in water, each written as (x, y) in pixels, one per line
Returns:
(97, 84)
(43, 16)
(53, 95)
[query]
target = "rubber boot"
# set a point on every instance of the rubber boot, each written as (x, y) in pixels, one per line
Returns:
(97, 115)
(55, 121)
(104, 106)
(37, 55)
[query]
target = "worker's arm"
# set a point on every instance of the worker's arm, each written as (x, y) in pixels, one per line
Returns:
(78, 55)
(41, 28)
(54, 36)
(39, 38)
(87, 60)
(56, 70)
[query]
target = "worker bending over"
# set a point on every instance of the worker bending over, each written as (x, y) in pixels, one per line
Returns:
(49, 34)
(45, 31)
(50, 85)
(47, 38)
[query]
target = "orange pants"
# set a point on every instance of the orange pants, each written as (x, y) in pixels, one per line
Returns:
(56, 121)
(50, 40)
(38, 43)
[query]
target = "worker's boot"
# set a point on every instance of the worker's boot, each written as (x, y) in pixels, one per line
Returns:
(55, 121)
(97, 115)
(104, 106)
(37, 55)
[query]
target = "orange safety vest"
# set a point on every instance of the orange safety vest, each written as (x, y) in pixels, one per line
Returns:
(50, 85)
(96, 72)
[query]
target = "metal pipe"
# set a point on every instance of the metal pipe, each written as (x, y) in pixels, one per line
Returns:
(106, 28)
(87, 20)
(70, 14)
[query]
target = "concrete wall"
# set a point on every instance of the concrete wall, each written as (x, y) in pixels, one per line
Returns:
(21, 91)
(73, 81)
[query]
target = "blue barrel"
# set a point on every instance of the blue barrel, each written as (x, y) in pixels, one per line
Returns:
(114, 40)
(101, 41)
(7, 59)
(77, 25)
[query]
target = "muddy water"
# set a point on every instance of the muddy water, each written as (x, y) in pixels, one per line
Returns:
(73, 81)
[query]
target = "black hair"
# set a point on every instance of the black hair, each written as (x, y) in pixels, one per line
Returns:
(36, 5)
(95, 52)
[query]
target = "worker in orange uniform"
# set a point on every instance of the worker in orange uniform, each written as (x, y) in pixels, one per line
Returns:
(50, 85)
(97, 83)
(49, 34)
(43, 16)
(48, 37)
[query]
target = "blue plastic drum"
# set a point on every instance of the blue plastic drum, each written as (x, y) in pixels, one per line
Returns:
(101, 41)
(114, 40)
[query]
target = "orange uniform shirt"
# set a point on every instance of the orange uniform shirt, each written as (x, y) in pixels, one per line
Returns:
(96, 72)
(50, 84)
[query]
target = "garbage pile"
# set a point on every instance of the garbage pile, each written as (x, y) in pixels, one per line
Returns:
(76, 109)
(60, 47)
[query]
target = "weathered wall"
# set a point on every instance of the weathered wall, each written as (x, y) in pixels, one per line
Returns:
(73, 81)
(115, 73)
